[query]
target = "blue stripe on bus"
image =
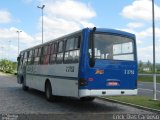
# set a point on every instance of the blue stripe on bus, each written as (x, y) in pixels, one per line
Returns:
(53, 76)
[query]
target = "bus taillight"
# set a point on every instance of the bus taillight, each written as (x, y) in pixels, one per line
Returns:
(90, 79)
(82, 82)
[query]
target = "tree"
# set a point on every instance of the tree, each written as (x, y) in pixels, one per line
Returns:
(7, 66)
(149, 65)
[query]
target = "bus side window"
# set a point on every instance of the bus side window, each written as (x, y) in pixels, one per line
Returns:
(60, 52)
(46, 54)
(31, 57)
(21, 59)
(53, 53)
(39, 55)
(72, 50)
(25, 58)
(36, 57)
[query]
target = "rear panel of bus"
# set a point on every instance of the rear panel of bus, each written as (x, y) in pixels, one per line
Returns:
(116, 75)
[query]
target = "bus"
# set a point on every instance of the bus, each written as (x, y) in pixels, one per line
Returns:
(85, 64)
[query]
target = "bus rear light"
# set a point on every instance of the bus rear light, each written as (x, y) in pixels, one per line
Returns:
(82, 82)
(90, 79)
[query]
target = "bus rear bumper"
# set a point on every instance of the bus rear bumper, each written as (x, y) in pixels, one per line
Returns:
(117, 92)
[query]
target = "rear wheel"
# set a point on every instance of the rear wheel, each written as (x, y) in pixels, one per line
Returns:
(48, 91)
(87, 99)
(24, 87)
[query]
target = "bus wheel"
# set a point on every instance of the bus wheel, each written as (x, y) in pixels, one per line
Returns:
(48, 91)
(25, 88)
(87, 99)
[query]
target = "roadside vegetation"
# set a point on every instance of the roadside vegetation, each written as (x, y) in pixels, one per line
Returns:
(138, 100)
(147, 67)
(148, 79)
(8, 66)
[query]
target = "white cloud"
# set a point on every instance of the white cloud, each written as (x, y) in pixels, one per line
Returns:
(141, 9)
(5, 16)
(69, 10)
(11, 35)
(148, 33)
(65, 16)
(146, 53)
(133, 25)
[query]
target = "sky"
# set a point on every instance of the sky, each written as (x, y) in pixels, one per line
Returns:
(65, 16)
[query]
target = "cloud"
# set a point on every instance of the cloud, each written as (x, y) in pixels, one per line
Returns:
(11, 35)
(65, 16)
(146, 53)
(5, 16)
(70, 10)
(133, 25)
(148, 33)
(141, 9)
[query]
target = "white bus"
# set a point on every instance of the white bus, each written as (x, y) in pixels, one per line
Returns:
(84, 64)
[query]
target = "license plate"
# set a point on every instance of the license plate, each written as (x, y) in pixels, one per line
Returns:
(112, 83)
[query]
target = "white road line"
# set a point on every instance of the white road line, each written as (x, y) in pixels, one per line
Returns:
(148, 90)
(141, 84)
(148, 83)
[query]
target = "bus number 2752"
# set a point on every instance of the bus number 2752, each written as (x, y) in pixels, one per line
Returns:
(70, 69)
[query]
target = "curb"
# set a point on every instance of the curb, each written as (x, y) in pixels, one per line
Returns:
(130, 104)
(147, 82)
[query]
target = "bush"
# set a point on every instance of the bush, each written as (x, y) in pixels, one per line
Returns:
(8, 66)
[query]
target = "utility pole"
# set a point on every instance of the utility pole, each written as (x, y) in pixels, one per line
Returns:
(154, 57)
(42, 7)
(18, 31)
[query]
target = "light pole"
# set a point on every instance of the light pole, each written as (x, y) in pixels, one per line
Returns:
(18, 31)
(154, 62)
(42, 7)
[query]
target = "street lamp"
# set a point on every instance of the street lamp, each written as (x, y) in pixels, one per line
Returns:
(42, 18)
(154, 65)
(18, 31)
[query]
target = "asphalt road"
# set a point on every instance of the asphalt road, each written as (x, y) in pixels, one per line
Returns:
(146, 89)
(13, 100)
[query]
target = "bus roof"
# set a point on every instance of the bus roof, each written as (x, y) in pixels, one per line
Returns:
(114, 31)
(105, 30)
(52, 40)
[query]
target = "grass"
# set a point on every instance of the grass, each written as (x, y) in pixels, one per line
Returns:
(5, 74)
(148, 79)
(139, 100)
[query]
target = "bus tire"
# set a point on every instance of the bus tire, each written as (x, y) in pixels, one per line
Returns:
(87, 99)
(48, 91)
(24, 87)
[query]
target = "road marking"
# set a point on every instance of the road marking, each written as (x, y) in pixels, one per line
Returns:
(140, 84)
(148, 83)
(148, 90)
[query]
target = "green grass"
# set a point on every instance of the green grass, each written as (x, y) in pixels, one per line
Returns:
(148, 79)
(139, 100)
(6, 74)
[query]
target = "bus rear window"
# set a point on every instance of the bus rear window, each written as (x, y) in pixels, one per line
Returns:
(114, 47)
